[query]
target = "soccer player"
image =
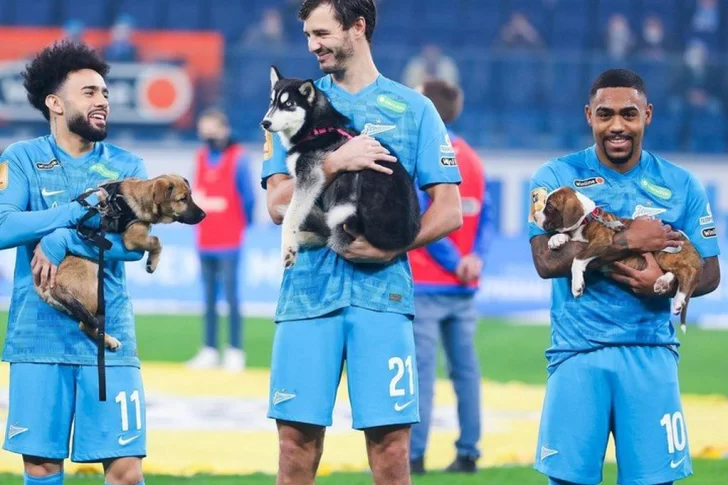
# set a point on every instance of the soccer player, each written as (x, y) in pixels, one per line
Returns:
(613, 358)
(446, 275)
(53, 374)
(335, 308)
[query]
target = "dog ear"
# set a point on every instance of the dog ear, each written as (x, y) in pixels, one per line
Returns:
(572, 212)
(161, 190)
(308, 91)
(275, 76)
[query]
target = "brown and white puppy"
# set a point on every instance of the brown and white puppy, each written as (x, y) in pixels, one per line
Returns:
(575, 217)
(164, 199)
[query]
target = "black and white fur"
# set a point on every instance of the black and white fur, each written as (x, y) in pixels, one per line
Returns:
(381, 207)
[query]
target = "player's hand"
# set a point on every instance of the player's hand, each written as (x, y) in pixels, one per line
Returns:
(44, 272)
(361, 251)
(641, 282)
(650, 235)
(359, 153)
(469, 268)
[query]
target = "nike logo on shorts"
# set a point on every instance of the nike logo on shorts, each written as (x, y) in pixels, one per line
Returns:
(398, 407)
(126, 441)
(675, 464)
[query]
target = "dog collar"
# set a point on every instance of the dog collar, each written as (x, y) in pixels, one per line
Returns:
(322, 131)
(598, 215)
(118, 213)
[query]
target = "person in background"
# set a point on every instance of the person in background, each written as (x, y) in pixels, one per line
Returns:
(222, 186)
(446, 275)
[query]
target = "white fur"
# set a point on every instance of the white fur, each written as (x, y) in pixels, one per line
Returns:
(308, 239)
(539, 218)
(588, 205)
(286, 123)
(578, 267)
(301, 204)
(663, 283)
(338, 214)
(578, 235)
(557, 241)
(273, 79)
(678, 302)
(291, 161)
(284, 97)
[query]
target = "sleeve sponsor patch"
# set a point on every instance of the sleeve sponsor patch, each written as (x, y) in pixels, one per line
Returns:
(4, 175)
(709, 232)
(448, 161)
(538, 201)
(268, 146)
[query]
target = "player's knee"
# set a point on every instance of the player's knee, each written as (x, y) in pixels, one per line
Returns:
(125, 471)
(302, 442)
(41, 467)
(389, 447)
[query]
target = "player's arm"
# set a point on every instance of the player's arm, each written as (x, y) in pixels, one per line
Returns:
(443, 251)
(699, 226)
(62, 241)
(357, 154)
(245, 187)
(442, 217)
(19, 226)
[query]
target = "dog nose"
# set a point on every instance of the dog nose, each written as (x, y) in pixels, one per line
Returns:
(266, 124)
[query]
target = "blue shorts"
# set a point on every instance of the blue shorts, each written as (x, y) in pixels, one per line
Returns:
(632, 392)
(308, 359)
(46, 399)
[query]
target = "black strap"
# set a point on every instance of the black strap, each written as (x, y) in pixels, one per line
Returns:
(97, 238)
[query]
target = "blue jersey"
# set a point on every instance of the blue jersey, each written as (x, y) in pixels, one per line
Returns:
(321, 281)
(38, 182)
(609, 313)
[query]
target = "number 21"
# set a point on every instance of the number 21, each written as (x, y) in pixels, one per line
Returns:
(401, 365)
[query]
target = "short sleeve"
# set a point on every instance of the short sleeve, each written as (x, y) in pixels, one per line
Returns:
(542, 183)
(698, 223)
(274, 158)
(436, 163)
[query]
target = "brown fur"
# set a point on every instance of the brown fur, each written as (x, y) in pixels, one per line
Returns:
(686, 265)
(163, 199)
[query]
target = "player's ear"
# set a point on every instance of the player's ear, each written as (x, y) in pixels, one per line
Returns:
(587, 113)
(54, 104)
(648, 114)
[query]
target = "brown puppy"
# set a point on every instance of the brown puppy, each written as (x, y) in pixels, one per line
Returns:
(164, 199)
(575, 217)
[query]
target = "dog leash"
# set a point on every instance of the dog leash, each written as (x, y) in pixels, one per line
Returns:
(98, 238)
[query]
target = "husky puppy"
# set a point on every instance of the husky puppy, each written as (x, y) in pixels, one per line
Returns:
(383, 208)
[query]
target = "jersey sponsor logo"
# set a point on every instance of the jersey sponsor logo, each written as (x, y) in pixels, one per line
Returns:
(448, 161)
(656, 190)
(4, 175)
(104, 171)
(372, 129)
(282, 396)
(268, 146)
(588, 182)
(48, 166)
(709, 218)
(642, 211)
(546, 452)
(391, 104)
(708, 232)
(14, 431)
(538, 201)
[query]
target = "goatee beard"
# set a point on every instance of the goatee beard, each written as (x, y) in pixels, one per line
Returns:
(82, 127)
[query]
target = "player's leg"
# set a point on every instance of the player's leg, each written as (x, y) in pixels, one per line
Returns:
(40, 413)
(112, 432)
(650, 434)
(233, 357)
(427, 332)
(575, 420)
(207, 357)
(382, 373)
(306, 366)
(458, 337)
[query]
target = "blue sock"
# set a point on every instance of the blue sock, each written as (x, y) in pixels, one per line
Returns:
(55, 479)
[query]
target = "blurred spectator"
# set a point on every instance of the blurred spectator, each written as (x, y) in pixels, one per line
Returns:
(73, 30)
(121, 48)
(223, 189)
(429, 65)
(268, 32)
(706, 17)
(698, 82)
(653, 44)
(619, 41)
(519, 33)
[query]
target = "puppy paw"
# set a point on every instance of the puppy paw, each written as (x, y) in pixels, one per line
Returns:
(577, 286)
(152, 265)
(558, 240)
(664, 283)
(288, 255)
(678, 303)
(112, 343)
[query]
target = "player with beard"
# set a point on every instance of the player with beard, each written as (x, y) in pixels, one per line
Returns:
(53, 375)
(613, 358)
(355, 308)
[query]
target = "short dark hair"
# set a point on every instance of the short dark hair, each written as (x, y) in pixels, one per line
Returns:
(618, 78)
(51, 67)
(447, 98)
(215, 114)
(347, 12)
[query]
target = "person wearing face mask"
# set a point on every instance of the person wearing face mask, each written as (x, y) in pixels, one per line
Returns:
(222, 186)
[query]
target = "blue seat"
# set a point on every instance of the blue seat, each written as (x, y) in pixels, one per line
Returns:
(34, 12)
(230, 18)
(147, 14)
(92, 14)
(186, 15)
